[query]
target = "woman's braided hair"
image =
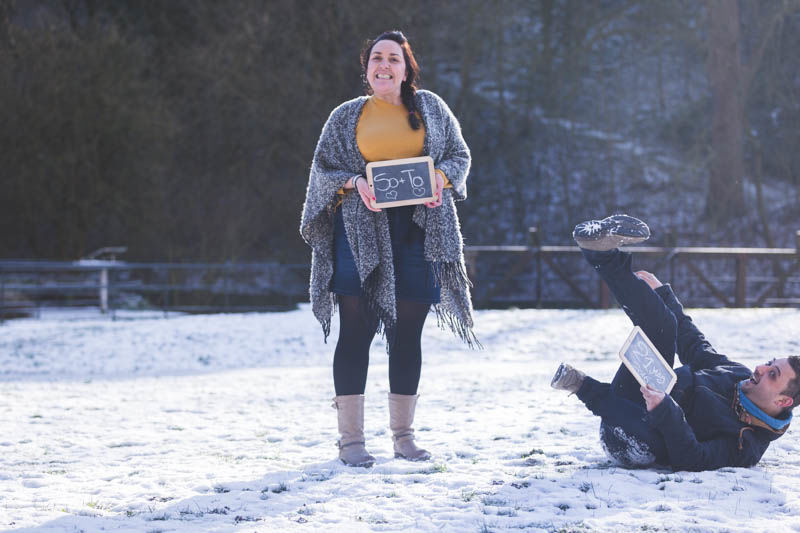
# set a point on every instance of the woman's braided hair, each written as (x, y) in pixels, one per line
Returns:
(408, 89)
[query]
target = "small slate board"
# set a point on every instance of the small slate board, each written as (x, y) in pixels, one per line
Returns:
(401, 181)
(645, 363)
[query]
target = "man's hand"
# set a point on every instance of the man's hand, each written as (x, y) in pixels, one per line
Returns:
(648, 278)
(652, 397)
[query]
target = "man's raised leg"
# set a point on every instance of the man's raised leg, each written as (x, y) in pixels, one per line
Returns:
(599, 241)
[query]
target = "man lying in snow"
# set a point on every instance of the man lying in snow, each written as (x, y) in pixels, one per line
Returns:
(718, 413)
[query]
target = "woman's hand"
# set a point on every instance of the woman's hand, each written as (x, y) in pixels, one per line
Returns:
(437, 195)
(362, 188)
(652, 397)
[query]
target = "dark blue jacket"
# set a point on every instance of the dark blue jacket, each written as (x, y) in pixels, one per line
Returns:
(701, 429)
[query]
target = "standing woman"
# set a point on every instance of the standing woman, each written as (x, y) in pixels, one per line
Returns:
(384, 268)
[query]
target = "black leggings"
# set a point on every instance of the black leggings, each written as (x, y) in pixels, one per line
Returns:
(356, 331)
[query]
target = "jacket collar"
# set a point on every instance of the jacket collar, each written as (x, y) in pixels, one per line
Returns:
(751, 415)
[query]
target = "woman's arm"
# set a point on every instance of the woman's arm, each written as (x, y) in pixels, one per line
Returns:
(455, 160)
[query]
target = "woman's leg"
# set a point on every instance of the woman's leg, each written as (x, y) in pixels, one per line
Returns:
(351, 358)
(405, 351)
(405, 364)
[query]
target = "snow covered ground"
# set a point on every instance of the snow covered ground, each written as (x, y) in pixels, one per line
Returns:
(223, 423)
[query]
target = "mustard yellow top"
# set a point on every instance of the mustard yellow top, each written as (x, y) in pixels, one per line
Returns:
(383, 133)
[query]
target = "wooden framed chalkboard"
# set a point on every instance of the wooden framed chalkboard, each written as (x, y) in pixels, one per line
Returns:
(401, 181)
(645, 363)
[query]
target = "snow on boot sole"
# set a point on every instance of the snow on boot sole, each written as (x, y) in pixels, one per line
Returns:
(611, 232)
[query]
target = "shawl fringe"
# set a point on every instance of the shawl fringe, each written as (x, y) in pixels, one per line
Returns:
(448, 320)
(451, 274)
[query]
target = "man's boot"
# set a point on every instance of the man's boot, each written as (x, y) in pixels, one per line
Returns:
(567, 378)
(401, 418)
(350, 413)
(611, 232)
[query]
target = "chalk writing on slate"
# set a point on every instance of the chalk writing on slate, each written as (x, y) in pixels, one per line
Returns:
(645, 363)
(401, 181)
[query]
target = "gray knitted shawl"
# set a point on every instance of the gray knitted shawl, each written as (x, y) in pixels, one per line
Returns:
(337, 159)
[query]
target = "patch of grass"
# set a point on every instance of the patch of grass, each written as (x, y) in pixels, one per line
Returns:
(219, 489)
(98, 506)
(467, 495)
(534, 451)
(494, 501)
(578, 526)
(280, 488)
(305, 510)
(318, 476)
(484, 528)
(436, 468)
(160, 499)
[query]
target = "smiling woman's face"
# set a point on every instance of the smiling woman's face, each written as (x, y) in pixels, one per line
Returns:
(386, 69)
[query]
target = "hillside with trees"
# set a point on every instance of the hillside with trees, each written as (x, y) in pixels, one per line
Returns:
(185, 129)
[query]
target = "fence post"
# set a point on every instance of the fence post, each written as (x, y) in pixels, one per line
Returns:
(533, 243)
(104, 290)
(2, 297)
(741, 281)
(604, 295)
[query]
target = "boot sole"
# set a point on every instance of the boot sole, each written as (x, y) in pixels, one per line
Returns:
(400, 456)
(611, 232)
(559, 371)
(368, 464)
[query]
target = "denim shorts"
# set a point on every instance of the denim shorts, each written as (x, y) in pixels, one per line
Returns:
(414, 279)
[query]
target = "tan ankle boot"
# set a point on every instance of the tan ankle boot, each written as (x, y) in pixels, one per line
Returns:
(350, 413)
(401, 418)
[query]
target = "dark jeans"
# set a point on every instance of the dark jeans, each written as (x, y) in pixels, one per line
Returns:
(624, 432)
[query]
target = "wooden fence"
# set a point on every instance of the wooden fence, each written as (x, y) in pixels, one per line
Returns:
(726, 276)
(28, 287)
(541, 261)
